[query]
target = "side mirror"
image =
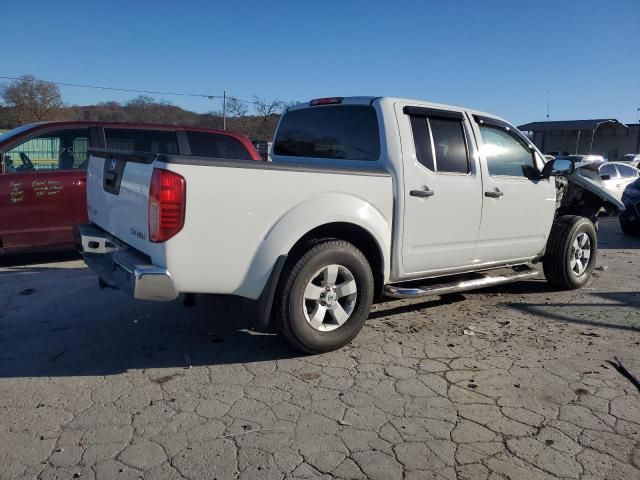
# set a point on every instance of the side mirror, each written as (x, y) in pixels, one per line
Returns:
(558, 167)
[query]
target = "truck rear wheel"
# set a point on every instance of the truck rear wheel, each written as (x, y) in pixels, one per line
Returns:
(571, 252)
(324, 297)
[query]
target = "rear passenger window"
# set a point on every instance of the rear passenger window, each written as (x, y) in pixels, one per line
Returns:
(422, 141)
(205, 144)
(151, 141)
(346, 132)
(449, 146)
(440, 144)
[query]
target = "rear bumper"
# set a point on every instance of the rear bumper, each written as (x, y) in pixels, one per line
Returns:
(122, 267)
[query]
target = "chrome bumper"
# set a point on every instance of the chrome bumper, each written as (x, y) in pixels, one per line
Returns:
(121, 267)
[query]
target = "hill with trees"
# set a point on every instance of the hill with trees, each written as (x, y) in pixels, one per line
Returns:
(29, 100)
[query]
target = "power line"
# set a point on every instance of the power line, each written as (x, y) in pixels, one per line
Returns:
(133, 90)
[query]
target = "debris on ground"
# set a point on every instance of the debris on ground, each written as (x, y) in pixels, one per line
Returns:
(256, 430)
(602, 267)
(472, 330)
(627, 373)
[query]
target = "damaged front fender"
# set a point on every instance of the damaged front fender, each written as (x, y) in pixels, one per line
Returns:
(598, 190)
(579, 195)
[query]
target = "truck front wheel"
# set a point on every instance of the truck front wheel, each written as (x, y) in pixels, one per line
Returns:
(571, 252)
(324, 297)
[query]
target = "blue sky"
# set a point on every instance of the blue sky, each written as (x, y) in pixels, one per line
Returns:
(497, 56)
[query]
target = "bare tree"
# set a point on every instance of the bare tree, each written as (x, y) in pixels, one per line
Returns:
(140, 108)
(32, 100)
(239, 110)
(268, 112)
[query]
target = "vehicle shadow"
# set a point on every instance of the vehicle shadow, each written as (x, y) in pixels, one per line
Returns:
(611, 237)
(392, 307)
(617, 310)
(38, 258)
(57, 322)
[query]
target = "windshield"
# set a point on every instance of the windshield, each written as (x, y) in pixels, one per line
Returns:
(16, 131)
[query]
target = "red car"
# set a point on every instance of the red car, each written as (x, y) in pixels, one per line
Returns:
(43, 171)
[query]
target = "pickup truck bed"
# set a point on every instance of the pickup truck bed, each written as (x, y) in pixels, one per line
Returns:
(251, 213)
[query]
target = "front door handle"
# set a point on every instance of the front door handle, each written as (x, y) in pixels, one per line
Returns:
(78, 182)
(421, 193)
(496, 194)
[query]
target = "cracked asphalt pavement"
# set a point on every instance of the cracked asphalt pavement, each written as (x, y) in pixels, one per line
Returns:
(94, 385)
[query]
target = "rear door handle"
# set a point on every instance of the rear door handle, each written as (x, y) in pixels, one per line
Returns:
(78, 182)
(421, 193)
(496, 194)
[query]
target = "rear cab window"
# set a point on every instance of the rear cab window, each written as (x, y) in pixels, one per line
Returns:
(337, 132)
(138, 140)
(204, 144)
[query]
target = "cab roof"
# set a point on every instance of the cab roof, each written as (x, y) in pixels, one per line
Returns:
(368, 100)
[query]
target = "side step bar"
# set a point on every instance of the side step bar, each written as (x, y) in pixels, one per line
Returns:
(440, 286)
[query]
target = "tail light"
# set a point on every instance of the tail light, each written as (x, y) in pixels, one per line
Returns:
(167, 198)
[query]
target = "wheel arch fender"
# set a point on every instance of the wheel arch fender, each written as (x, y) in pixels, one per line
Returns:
(323, 213)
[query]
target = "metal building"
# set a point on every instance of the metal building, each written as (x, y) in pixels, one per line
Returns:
(607, 137)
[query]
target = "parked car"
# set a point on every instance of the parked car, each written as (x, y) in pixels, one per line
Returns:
(615, 176)
(363, 197)
(630, 218)
(632, 159)
(43, 171)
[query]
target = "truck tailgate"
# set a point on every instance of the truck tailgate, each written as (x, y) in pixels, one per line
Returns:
(118, 196)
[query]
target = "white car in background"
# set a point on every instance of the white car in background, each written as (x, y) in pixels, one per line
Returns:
(584, 158)
(615, 176)
(632, 159)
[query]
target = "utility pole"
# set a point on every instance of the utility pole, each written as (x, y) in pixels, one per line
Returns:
(548, 98)
(224, 110)
(548, 135)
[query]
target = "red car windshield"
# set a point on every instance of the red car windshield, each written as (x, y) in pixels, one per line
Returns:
(16, 131)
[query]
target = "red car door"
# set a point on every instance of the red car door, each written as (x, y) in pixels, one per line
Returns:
(42, 189)
(16, 208)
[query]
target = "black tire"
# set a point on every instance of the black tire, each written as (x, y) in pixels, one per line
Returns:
(290, 304)
(560, 252)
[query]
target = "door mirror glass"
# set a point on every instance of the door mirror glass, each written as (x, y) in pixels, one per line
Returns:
(558, 167)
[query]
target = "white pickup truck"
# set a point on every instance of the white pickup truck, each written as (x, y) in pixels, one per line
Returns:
(365, 197)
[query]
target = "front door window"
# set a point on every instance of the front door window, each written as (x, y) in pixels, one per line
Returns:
(57, 150)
